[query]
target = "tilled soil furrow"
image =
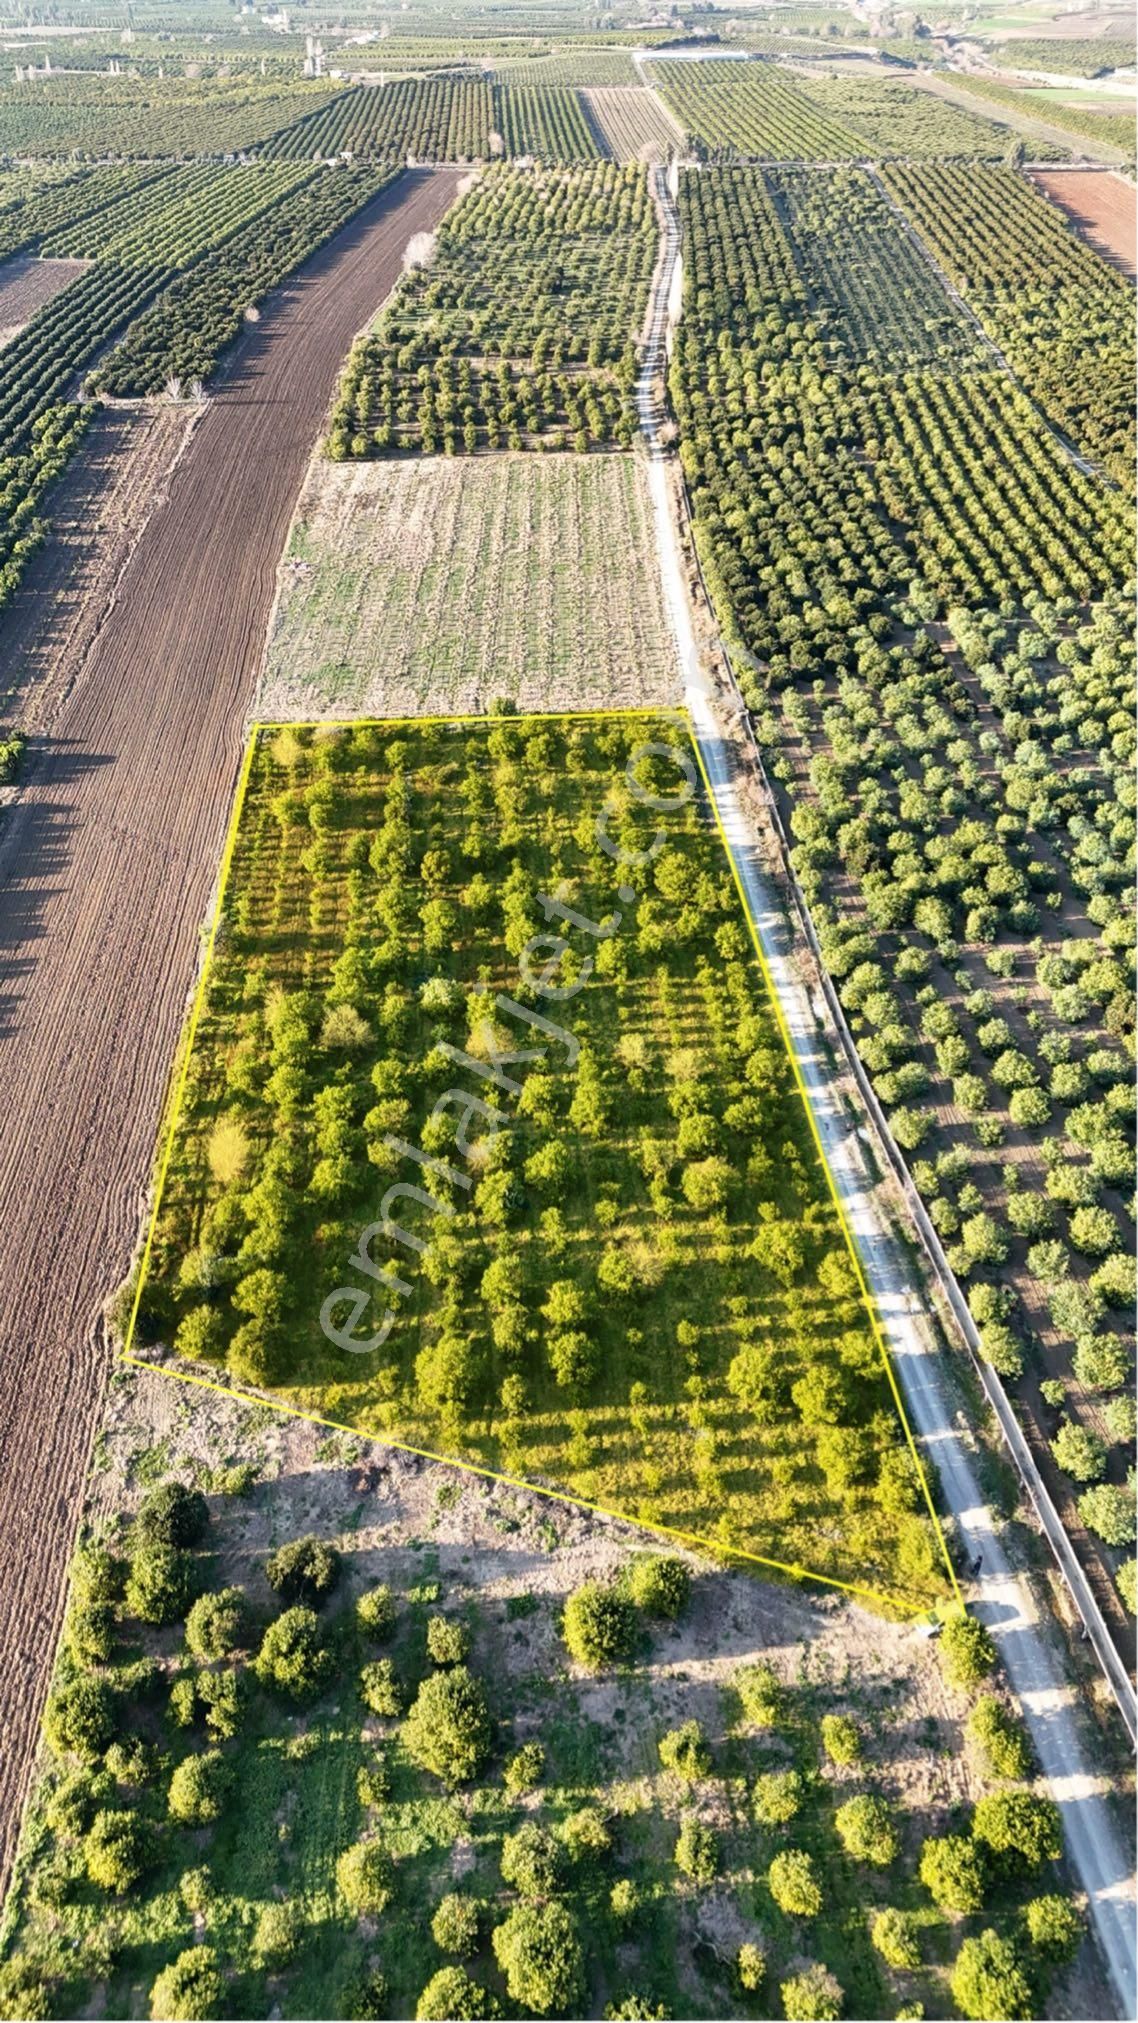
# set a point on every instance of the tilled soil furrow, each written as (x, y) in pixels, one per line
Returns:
(106, 865)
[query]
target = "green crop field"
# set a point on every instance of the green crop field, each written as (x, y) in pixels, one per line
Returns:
(634, 1287)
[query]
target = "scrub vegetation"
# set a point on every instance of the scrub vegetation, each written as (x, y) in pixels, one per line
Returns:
(337, 1737)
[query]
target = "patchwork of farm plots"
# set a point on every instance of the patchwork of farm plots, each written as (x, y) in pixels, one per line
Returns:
(1064, 319)
(439, 585)
(333, 1752)
(930, 607)
(239, 228)
(446, 119)
(619, 1273)
(522, 329)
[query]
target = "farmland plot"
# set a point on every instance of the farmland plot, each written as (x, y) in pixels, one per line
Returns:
(931, 615)
(734, 109)
(143, 118)
(634, 122)
(652, 1795)
(521, 331)
(1064, 319)
(647, 1301)
(1101, 206)
(440, 584)
(26, 285)
(898, 118)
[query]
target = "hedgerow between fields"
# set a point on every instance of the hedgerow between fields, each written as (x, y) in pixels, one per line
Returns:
(633, 1287)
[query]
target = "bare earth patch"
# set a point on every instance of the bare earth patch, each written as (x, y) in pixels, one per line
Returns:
(1102, 207)
(26, 284)
(438, 584)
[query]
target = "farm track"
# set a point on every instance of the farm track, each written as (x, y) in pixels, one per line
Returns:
(106, 864)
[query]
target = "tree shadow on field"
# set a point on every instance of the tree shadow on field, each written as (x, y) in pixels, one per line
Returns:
(35, 850)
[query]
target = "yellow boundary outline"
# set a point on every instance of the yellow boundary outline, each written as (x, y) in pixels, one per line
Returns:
(271, 1400)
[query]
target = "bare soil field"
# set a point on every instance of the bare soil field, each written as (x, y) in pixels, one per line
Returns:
(1101, 205)
(106, 863)
(440, 583)
(630, 121)
(98, 512)
(26, 284)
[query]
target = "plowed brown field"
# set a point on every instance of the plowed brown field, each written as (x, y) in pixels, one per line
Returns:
(26, 284)
(106, 864)
(1100, 204)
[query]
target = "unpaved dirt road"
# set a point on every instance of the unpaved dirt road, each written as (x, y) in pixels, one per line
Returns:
(106, 865)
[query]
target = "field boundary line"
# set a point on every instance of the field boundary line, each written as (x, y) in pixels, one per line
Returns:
(851, 1245)
(694, 1540)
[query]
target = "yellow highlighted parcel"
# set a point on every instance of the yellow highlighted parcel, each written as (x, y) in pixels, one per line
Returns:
(694, 1541)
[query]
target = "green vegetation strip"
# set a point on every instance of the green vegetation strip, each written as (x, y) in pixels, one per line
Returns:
(489, 1145)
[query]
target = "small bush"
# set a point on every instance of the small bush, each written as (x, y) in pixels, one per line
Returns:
(448, 1729)
(524, 1769)
(380, 1689)
(456, 1925)
(841, 1738)
(697, 1851)
(216, 1624)
(967, 1652)
(277, 1934)
(1000, 1738)
(292, 1659)
(197, 1789)
(952, 1873)
(750, 1968)
(658, 1584)
(777, 1797)
(794, 1885)
(448, 1642)
(585, 1834)
(452, 1996)
(598, 1625)
(894, 1934)
(539, 1952)
(160, 1583)
(989, 1982)
(624, 1900)
(190, 1987)
(532, 1861)
(761, 1695)
(375, 1613)
(1020, 1826)
(814, 1996)
(1054, 1927)
(172, 1515)
(685, 1753)
(304, 1571)
(866, 1831)
(364, 1876)
(80, 1719)
(117, 1851)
